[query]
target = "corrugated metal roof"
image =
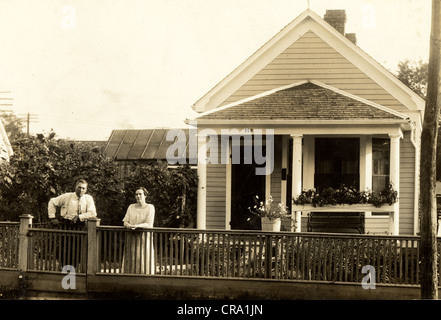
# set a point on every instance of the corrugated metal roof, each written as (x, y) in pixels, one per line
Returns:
(146, 144)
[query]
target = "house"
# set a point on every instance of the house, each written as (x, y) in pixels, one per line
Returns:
(5, 146)
(321, 113)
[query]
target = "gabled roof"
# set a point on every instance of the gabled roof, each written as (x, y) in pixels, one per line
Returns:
(305, 22)
(144, 144)
(303, 101)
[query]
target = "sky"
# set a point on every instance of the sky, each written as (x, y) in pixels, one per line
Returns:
(83, 68)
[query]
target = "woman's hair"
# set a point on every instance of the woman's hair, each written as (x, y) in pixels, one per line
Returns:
(143, 190)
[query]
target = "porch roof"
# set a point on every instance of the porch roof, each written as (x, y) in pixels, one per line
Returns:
(308, 100)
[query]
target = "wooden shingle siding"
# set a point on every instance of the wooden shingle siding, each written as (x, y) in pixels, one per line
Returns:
(310, 58)
(216, 190)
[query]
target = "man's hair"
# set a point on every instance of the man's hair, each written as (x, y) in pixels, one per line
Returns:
(80, 181)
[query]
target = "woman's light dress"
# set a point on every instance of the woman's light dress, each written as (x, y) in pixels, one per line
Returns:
(138, 250)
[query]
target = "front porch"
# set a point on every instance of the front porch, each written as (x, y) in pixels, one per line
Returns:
(375, 156)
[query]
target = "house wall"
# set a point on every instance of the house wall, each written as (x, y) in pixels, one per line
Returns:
(407, 185)
(276, 177)
(377, 225)
(311, 58)
(216, 195)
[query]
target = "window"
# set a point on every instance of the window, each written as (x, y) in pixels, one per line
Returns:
(380, 163)
(337, 163)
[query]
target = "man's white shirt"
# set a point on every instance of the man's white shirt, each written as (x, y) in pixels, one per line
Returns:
(71, 206)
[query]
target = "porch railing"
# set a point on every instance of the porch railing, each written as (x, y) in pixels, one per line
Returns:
(213, 253)
(9, 244)
(278, 255)
(52, 249)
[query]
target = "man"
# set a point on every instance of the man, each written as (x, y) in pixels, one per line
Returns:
(75, 207)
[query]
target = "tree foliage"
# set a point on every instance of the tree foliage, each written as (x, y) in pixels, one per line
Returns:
(414, 74)
(43, 167)
(13, 125)
(173, 192)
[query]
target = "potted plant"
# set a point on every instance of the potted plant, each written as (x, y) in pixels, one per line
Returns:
(271, 214)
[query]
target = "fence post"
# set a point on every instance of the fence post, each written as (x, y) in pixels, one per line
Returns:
(92, 245)
(23, 254)
(268, 256)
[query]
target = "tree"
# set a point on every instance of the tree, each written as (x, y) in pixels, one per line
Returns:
(414, 75)
(43, 167)
(173, 192)
(13, 125)
(429, 274)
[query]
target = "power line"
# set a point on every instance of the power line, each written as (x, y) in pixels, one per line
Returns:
(4, 100)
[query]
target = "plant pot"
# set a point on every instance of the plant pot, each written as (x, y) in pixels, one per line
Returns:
(271, 225)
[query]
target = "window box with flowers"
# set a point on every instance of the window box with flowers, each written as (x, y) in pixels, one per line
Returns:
(271, 214)
(346, 199)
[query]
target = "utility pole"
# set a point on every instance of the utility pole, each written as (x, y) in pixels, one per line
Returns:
(30, 117)
(429, 265)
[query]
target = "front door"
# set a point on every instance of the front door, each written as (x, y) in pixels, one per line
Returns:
(245, 185)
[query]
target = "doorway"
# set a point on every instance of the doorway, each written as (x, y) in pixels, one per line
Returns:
(245, 185)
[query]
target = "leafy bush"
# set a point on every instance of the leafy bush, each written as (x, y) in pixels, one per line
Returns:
(43, 167)
(173, 192)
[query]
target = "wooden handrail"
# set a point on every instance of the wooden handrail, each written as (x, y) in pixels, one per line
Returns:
(258, 232)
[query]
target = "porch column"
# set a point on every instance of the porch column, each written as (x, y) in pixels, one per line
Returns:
(297, 176)
(201, 220)
(394, 174)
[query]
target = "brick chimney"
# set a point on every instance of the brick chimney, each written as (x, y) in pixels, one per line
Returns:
(337, 19)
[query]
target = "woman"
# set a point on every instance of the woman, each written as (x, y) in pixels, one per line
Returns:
(138, 252)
